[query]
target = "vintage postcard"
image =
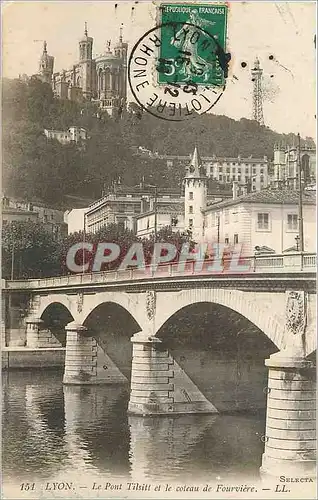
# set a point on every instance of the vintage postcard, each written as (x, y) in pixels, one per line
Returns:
(158, 218)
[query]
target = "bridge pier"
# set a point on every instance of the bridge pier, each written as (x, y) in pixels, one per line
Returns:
(85, 361)
(37, 337)
(158, 384)
(290, 440)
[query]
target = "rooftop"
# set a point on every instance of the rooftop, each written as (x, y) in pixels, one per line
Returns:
(268, 196)
(176, 209)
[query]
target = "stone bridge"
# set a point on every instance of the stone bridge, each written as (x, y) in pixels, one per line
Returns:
(277, 295)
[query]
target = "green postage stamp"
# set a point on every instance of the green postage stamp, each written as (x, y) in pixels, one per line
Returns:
(193, 44)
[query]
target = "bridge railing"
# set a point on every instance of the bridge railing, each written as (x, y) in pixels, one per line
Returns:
(257, 264)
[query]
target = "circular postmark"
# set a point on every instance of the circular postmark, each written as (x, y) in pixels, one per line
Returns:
(177, 71)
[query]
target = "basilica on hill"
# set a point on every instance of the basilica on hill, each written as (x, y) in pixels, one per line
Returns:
(102, 79)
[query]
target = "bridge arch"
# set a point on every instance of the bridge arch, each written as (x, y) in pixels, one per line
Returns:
(56, 316)
(261, 315)
(50, 300)
(128, 302)
(112, 326)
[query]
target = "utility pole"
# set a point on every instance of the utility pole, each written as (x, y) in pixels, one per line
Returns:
(155, 208)
(12, 260)
(218, 226)
(84, 237)
(300, 203)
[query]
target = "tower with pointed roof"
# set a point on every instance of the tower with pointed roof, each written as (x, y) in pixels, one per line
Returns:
(195, 196)
(46, 65)
(85, 79)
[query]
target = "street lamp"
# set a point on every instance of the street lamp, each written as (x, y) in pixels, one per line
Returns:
(300, 202)
(84, 239)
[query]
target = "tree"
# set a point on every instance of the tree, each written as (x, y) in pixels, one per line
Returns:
(113, 233)
(29, 250)
(167, 235)
(124, 238)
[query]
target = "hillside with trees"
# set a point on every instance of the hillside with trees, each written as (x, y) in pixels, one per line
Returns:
(37, 168)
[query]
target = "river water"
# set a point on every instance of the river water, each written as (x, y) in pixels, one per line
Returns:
(51, 432)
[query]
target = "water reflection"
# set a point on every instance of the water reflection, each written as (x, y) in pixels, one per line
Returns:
(96, 429)
(49, 429)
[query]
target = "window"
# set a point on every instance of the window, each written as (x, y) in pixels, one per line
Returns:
(238, 170)
(220, 177)
(239, 178)
(246, 170)
(292, 222)
(263, 221)
(254, 170)
(191, 195)
(261, 170)
(226, 217)
(233, 170)
(234, 177)
(226, 241)
(235, 239)
(190, 222)
(246, 179)
(228, 170)
(190, 209)
(220, 169)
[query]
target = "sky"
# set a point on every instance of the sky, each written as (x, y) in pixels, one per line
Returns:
(282, 30)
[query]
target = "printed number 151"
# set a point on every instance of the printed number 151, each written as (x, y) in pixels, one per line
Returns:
(27, 486)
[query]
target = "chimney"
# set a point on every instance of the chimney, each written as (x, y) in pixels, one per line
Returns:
(235, 190)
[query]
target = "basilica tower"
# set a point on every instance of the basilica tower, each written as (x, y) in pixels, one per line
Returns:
(85, 80)
(121, 50)
(195, 196)
(46, 65)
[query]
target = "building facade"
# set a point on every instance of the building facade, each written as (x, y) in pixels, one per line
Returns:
(122, 206)
(102, 79)
(134, 207)
(286, 165)
(264, 219)
(250, 172)
(19, 210)
(75, 219)
(171, 215)
(72, 135)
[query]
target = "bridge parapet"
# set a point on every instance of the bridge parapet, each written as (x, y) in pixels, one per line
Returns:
(258, 264)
